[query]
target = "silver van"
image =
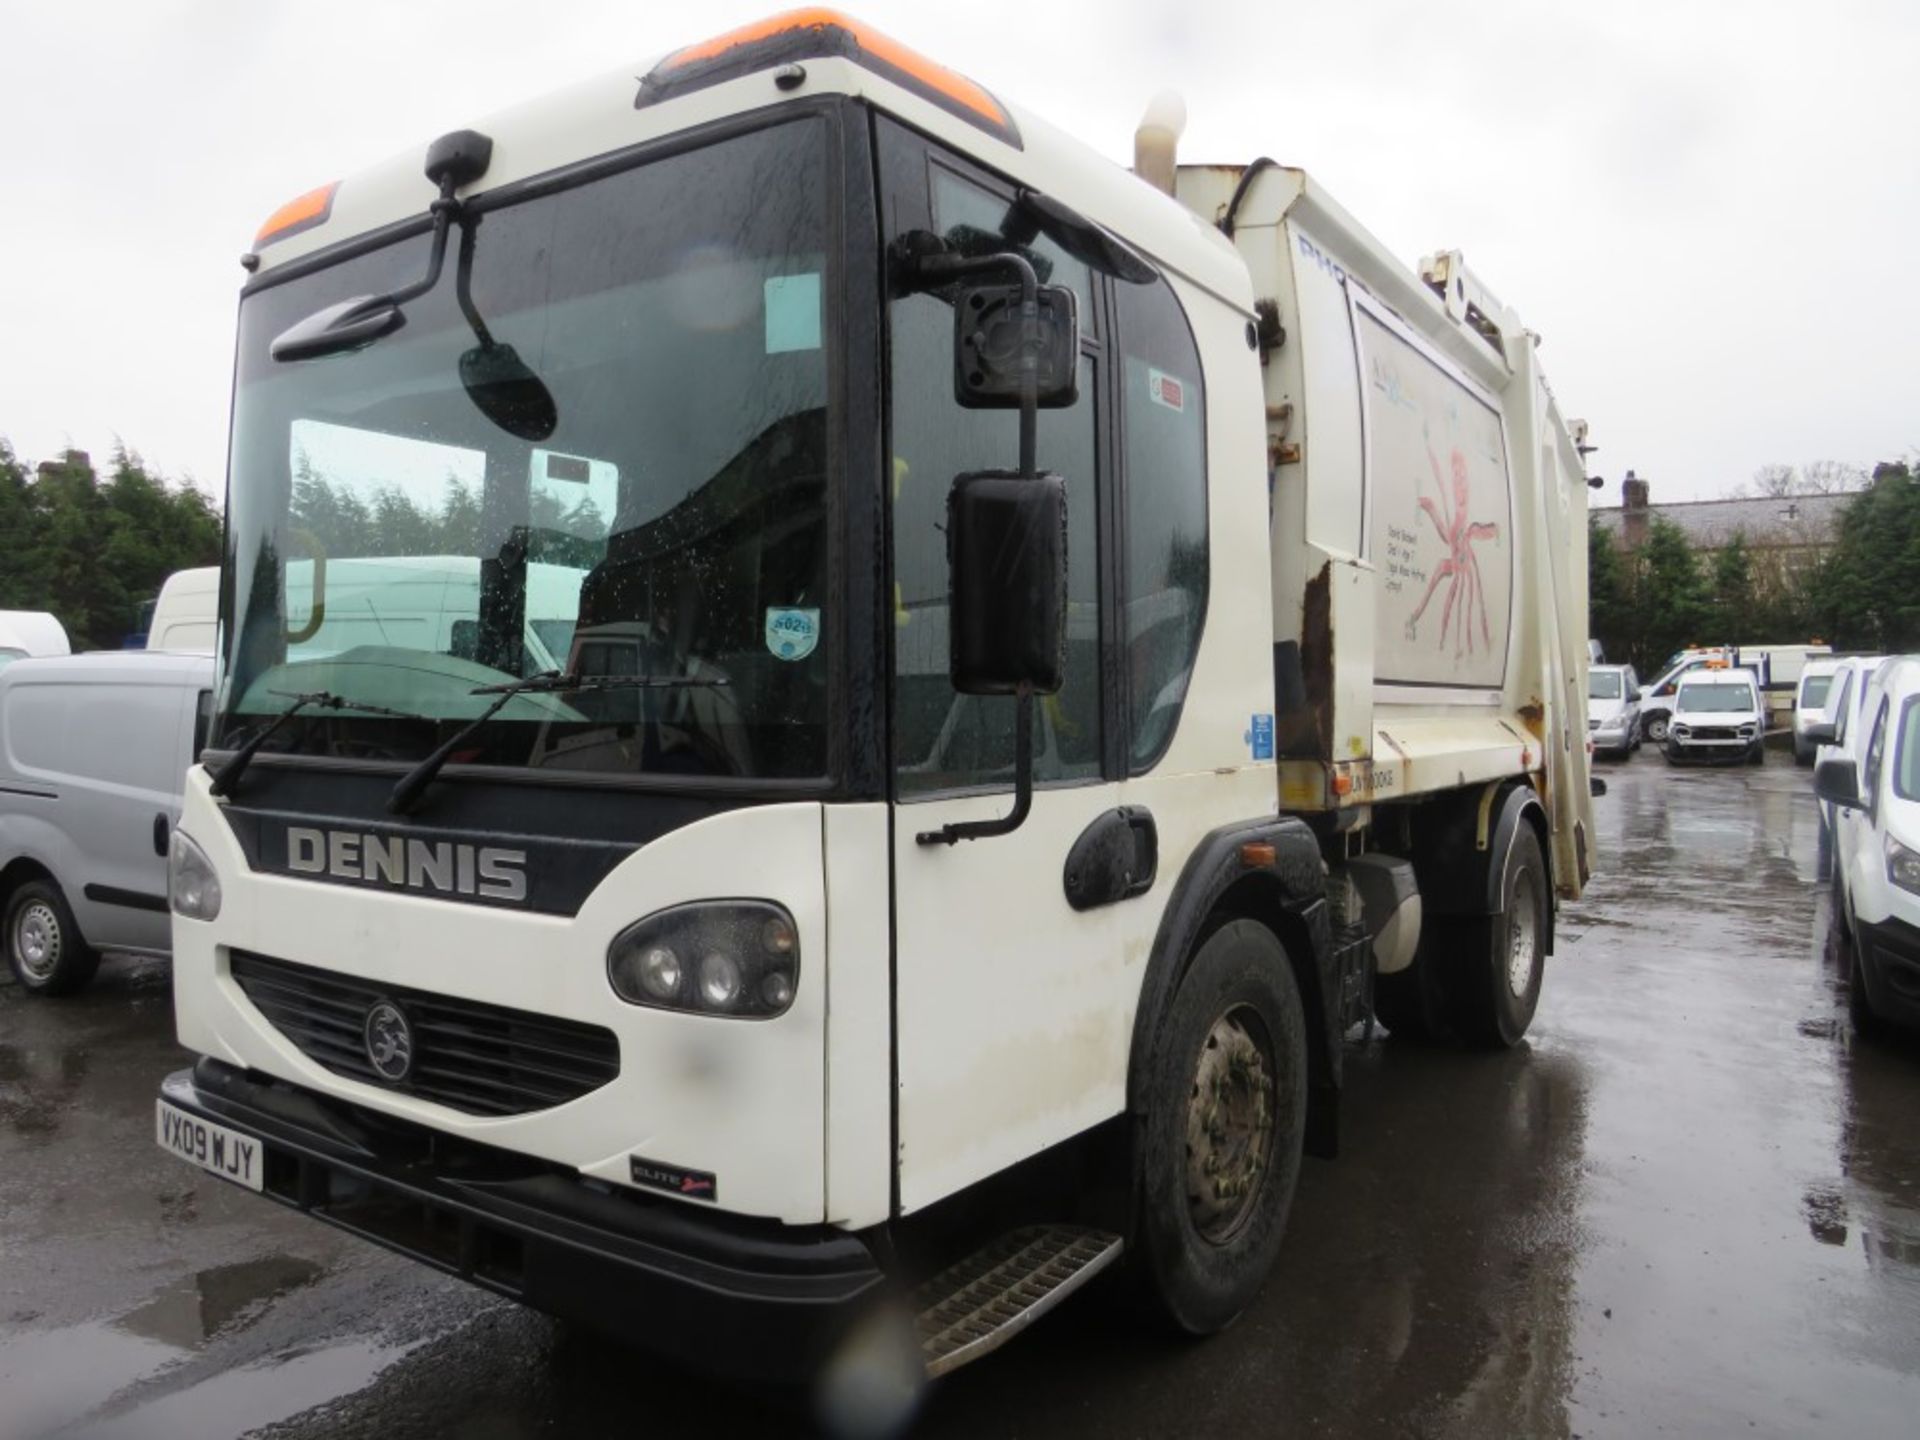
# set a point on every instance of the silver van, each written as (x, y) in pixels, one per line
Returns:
(94, 750)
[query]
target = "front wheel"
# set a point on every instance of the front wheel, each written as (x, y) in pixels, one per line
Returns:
(1501, 958)
(1654, 727)
(44, 945)
(1758, 754)
(1219, 1152)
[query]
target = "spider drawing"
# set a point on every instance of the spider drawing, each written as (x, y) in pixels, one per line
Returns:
(1461, 568)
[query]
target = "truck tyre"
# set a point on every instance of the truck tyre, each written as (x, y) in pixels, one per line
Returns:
(1802, 753)
(1654, 727)
(1501, 958)
(1220, 1146)
(44, 945)
(1758, 754)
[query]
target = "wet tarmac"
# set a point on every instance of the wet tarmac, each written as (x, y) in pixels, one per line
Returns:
(1689, 1205)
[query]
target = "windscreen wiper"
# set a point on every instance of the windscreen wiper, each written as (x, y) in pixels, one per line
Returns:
(406, 793)
(552, 680)
(228, 775)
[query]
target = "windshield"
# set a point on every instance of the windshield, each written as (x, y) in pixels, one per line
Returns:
(1709, 697)
(389, 543)
(1603, 685)
(1813, 691)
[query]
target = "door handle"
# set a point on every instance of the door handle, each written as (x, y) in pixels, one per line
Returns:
(1115, 858)
(162, 828)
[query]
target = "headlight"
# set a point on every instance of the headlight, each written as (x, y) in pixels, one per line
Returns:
(1679, 732)
(721, 957)
(1903, 866)
(192, 888)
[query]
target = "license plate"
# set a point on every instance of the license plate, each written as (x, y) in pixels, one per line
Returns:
(214, 1148)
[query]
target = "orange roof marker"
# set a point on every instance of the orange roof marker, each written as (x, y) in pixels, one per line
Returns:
(814, 33)
(303, 212)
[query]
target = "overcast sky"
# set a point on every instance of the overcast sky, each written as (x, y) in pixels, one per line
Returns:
(1710, 209)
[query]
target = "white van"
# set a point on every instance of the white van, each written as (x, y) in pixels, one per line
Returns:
(1809, 706)
(93, 752)
(1718, 715)
(30, 632)
(186, 617)
(1875, 792)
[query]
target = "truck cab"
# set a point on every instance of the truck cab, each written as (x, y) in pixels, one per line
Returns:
(940, 792)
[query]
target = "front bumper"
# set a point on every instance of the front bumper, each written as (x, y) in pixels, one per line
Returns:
(1711, 743)
(1889, 951)
(717, 1292)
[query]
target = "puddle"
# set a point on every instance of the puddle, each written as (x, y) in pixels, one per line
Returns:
(51, 1378)
(237, 1402)
(197, 1307)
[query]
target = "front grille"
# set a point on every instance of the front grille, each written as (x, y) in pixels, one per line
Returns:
(472, 1057)
(1704, 733)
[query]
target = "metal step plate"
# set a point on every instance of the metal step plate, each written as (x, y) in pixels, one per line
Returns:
(976, 1306)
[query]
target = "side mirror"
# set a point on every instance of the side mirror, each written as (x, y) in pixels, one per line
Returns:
(1007, 555)
(1836, 779)
(1821, 732)
(1633, 697)
(987, 348)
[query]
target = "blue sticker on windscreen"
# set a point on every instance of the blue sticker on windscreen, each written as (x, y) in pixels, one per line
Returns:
(792, 634)
(1260, 737)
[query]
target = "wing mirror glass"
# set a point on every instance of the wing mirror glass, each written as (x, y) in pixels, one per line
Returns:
(1633, 697)
(1007, 544)
(1836, 780)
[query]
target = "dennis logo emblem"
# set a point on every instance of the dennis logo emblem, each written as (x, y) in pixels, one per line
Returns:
(389, 1041)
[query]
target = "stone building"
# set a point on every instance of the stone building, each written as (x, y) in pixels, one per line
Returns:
(1783, 533)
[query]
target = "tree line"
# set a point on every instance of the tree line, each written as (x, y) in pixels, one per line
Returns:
(1861, 594)
(90, 546)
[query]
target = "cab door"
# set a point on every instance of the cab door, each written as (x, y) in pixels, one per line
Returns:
(1013, 1003)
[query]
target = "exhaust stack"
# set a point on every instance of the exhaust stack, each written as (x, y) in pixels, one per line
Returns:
(1156, 143)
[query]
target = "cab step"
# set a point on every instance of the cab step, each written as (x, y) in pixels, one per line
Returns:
(976, 1306)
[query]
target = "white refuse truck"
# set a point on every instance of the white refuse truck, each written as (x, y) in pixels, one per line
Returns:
(1053, 656)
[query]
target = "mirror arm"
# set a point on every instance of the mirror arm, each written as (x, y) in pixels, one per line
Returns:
(954, 833)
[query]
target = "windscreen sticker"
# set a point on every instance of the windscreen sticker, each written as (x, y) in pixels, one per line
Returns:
(1166, 390)
(793, 313)
(792, 634)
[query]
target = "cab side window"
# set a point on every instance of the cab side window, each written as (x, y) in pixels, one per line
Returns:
(1876, 752)
(1844, 707)
(942, 740)
(1164, 453)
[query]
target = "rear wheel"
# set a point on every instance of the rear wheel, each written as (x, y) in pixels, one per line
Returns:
(1220, 1151)
(1501, 959)
(44, 945)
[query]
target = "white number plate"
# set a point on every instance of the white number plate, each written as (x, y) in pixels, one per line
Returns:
(226, 1153)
